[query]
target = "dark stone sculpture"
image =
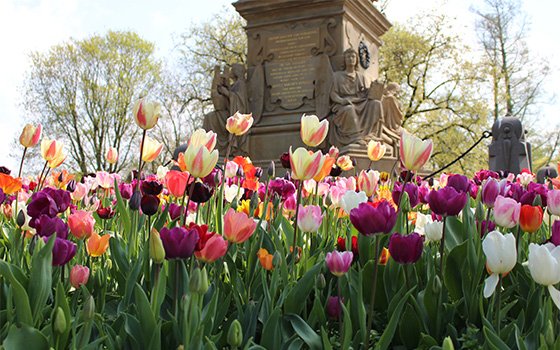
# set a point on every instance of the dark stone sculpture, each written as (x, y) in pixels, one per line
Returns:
(509, 151)
(547, 172)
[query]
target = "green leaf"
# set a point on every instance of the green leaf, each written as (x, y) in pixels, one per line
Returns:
(295, 301)
(312, 339)
(25, 338)
(325, 337)
(271, 335)
(123, 210)
(347, 328)
(454, 265)
(389, 332)
(493, 340)
(41, 277)
(62, 302)
(21, 300)
(158, 293)
(145, 315)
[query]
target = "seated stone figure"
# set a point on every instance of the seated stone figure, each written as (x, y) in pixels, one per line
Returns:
(357, 110)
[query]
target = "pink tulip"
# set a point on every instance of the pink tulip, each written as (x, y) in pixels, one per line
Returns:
(176, 182)
(367, 181)
(30, 135)
(553, 202)
(80, 192)
(215, 247)
(238, 227)
(104, 179)
(506, 212)
(309, 218)
(112, 155)
(414, 152)
(79, 276)
(339, 262)
(81, 224)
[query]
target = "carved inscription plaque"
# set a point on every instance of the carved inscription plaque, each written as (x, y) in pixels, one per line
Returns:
(291, 73)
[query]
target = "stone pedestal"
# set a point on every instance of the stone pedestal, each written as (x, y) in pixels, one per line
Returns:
(289, 44)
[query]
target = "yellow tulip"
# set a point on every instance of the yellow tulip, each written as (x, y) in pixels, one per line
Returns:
(305, 165)
(238, 124)
(151, 149)
(146, 113)
(376, 150)
(313, 131)
(204, 138)
(199, 161)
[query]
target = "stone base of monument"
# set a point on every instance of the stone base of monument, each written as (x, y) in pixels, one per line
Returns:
(359, 154)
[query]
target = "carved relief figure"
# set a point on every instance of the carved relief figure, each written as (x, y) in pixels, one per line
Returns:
(356, 113)
(237, 92)
(216, 120)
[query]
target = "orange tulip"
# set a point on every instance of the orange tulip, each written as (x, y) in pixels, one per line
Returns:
(530, 218)
(97, 245)
(151, 149)
(146, 113)
(199, 161)
(375, 150)
(204, 138)
(30, 135)
(9, 184)
(305, 165)
(313, 131)
(326, 169)
(384, 257)
(238, 124)
(265, 258)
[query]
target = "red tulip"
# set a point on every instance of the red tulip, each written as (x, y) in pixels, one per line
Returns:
(530, 218)
(176, 182)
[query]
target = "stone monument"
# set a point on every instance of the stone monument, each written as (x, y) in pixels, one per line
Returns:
(314, 57)
(508, 150)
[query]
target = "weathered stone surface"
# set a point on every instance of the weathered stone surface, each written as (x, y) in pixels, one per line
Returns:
(509, 151)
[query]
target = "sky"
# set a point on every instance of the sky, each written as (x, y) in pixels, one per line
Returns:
(35, 25)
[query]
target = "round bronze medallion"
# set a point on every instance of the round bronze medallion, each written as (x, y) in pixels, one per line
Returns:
(363, 52)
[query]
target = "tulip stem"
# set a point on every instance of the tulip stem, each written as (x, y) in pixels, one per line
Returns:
(228, 149)
(498, 302)
(340, 319)
(41, 176)
(185, 210)
(191, 190)
(373, 289)
(442, 247)
(21, 163)
(140, 159)
(294, 245)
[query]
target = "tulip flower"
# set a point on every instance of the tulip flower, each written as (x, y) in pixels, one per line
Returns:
(375, 150)
(81, 224)
(553, 202)
(79, 276)
(352, 199)
(52, 152)
(339, 262)
(530, 218)
(341, 245)
(501, 257)
(156, 249)
(146, 113)
(199, 161)
(305, 165)
(151, 149)
(433, 231)
(238, 227)
(369, 220)
(9, 185)
(459, 182)
(367, 181)
(411, 189)
(555, 233)
(334, 307)
(149, 204)
(345, 163)
(238, 124)
(265, 259)
(309, 218)
(204, 138)
(313, 131)
(179, 242)
(214, 248)
(334, 152)
(506, 212)
(112, 155)
(414, 152)
(152, 187)
(176, 182)
(30, 135)
(47, 226)
(384, 256)
(104, 180)
(447, 201)
(490, 191)
(63, 251)
(406, 249)
(544, 265)
(97, 245)
(325, 169)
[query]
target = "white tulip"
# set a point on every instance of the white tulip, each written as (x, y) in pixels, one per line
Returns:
(544, 265)
(352, 199)
(501, 256)
(434, 231)
(233, 192)
(421, 221)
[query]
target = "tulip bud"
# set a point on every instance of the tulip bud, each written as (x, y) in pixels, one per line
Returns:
(271, 171)
(146, 113)
(59, 321)
(235, 334)
(195, 281)
(276, 259)
(134, 203)
(20, 220)
(157, 252)
(88, 311)
(203, 286)
(79, 275)
(405, 202)
(320, 281)
(549, 336)
(30, 135)
(112, 155)
(436, 285)
(447, 344)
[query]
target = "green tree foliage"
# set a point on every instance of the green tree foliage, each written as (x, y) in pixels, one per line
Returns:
(439, 89)
(82, 91)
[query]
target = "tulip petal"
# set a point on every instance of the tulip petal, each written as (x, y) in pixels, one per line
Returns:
(490, 285)
(555, 295)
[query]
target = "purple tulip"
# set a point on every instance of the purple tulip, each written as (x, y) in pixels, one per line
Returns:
(125, 190)
(555, 238)
(412, 191)
(406, 249)
(201, 192)
(490, 190)
(447, 201)
(61, 197)
(63, 251)
(41, 203)
(2, 196)
(151, 188)
(423, 191)
(512, 190)
(534, 189)
(283, 188)
(149, 204)
(369, 220)
(179, 242)
(482, 175)
(334, 307)
(486, 226)
(175, 211)
(473, 190)
(459, 182)
(46, 226)
(339, 262)
(213, 179)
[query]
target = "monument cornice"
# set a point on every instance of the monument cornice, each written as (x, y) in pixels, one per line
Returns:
(367, 18)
